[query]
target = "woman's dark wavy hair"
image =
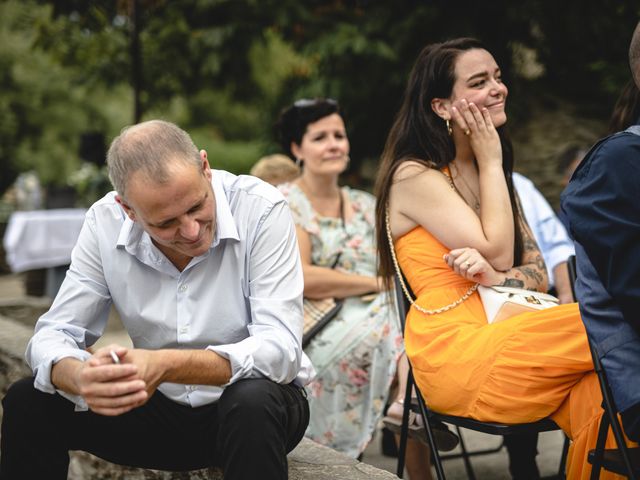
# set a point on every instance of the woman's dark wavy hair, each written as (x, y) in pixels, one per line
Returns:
(293, 120)
(420, 135)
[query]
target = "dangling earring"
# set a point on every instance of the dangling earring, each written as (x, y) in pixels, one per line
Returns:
(449, 129)
(348, 160)
(299, 162)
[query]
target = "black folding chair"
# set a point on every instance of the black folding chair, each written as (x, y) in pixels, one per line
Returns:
(622, 460)
(544, 425)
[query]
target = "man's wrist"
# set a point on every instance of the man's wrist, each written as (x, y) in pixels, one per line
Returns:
(162, 361)
(65, 375)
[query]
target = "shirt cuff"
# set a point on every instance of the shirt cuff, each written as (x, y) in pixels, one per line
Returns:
(560, 254)
(42, 373)
(239, 356)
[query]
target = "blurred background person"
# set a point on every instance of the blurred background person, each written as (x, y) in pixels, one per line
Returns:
(275, 169)
(568, 161)
(626, 111)
(355, 355)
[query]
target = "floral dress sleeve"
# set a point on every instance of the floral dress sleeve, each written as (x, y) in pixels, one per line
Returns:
(303, 214)
(327, 234)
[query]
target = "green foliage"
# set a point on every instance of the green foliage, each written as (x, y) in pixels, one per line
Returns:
(223, 69)
(235, 157)
(584, 46)
(38, 104)
(273, 61)
(90, 183)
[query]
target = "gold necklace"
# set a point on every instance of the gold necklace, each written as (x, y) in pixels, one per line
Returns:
(476, 205)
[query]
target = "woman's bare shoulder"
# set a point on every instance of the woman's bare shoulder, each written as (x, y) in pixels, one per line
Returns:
(412, 169)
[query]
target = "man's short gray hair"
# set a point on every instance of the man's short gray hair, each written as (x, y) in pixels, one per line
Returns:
(634, 55)
(151, 148)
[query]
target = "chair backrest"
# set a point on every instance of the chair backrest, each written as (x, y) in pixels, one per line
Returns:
(401, 301)
(571, 266)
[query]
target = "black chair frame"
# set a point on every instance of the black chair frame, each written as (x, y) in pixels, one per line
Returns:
(491, 428)
(622, 460)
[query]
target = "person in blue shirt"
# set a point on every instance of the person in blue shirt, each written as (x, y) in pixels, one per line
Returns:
(204, 271)
(602, 205)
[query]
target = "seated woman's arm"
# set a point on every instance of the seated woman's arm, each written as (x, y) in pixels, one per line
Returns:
(323, 282)
(424, 196)
(532, 274)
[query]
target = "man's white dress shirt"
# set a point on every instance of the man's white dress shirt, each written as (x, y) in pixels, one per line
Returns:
(241, 299)
(551, 236)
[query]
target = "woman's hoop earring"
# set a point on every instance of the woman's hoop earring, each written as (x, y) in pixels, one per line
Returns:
(299, 162)
(449, 129)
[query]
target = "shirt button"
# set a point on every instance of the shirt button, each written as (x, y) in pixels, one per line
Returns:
(183, 288)
(184, 330)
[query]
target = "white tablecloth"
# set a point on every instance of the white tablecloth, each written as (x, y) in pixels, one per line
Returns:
(42, 238)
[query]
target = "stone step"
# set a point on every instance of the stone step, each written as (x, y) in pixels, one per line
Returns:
(308, 461)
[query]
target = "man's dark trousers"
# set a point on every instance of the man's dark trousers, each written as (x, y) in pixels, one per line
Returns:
(247, 432)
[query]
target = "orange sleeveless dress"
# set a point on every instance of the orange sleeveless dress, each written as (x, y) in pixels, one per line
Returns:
(528, 367)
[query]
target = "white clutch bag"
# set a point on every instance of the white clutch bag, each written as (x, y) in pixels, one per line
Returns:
(501, 303)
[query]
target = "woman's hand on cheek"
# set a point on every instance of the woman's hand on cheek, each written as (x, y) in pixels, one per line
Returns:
(478, 126)
(470, 264)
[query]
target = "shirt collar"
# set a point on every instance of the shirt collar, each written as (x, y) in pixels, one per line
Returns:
(132, 234)
(225, 224)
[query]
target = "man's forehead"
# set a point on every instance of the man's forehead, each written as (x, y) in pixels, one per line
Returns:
(182, 189)
(162, 176)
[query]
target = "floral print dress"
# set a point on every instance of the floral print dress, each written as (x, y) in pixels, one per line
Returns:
(355, 355)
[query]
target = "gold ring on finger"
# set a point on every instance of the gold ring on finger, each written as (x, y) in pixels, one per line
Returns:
(467, 132)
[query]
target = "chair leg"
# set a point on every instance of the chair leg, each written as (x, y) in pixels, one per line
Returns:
(465, 457)
(563, 459)
(404, 430)
(596, 465)
(435, 455)
(622, 446)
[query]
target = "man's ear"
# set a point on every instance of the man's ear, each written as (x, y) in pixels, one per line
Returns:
(206, 168)
(127, 209)
(441, 107)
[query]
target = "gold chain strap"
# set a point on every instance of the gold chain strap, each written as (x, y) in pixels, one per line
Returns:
(466, 295)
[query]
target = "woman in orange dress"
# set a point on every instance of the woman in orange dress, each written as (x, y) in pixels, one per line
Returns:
(445, 181)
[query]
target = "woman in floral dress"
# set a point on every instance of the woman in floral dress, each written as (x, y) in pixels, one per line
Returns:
(355, 355)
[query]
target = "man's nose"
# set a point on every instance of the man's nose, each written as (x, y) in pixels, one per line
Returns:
(189, 229)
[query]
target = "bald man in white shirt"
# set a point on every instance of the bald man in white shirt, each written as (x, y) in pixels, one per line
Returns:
(203, 268)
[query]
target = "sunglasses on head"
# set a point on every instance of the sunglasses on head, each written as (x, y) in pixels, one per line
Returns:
(311, 102)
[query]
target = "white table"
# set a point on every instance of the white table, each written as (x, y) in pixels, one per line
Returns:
(43, 239)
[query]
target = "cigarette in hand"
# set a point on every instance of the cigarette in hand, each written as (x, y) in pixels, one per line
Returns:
(114, 357)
